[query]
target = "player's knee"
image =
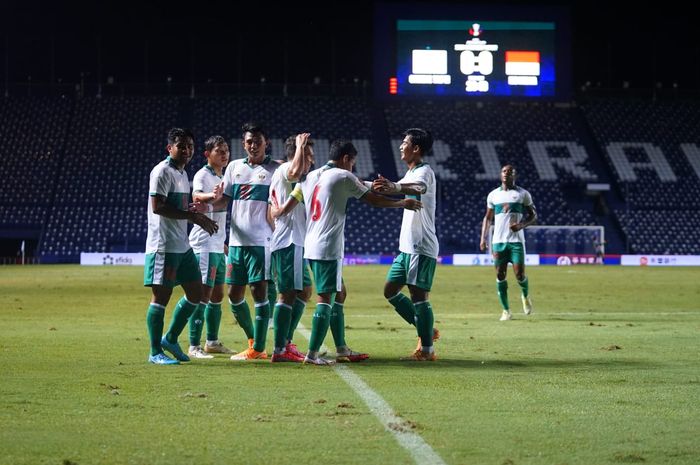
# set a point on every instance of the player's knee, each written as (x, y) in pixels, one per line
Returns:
(391, 289)
(305, 294)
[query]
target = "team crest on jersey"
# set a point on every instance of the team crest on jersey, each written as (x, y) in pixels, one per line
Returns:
(262, 176)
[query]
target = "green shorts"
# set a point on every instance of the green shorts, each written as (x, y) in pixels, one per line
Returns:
(247, 265)
(328, 275)
(413, 269)
(170, 269)
(212, 267)
(290, 270)
(505, 252)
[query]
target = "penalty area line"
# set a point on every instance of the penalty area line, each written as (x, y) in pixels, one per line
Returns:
(419, 450)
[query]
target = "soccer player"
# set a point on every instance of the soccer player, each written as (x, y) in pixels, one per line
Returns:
(337, 316)
(418, 244)
(209, 249)
(170, 260)
(291, 270)
(511, 210)
(247, 186)
(326, 191)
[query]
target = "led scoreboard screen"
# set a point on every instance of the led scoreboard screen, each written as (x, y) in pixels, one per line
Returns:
(424, 54)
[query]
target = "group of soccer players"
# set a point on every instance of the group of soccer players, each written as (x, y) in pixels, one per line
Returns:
(285, 220)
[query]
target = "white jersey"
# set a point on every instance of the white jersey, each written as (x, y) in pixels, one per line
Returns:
(418, 227)
(248, 186)
(291, 228)
(508, 207)
(326, 193)
(167, 234)
(204, 181)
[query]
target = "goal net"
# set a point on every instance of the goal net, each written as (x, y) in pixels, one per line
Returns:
(558, 240)
(584, 240)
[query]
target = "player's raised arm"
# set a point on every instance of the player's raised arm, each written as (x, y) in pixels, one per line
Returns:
(380, 201)
(385, 186)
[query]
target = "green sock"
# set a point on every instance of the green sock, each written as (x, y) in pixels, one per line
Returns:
(271, 291)
(181, 314)
(502, 287)
(319, 326)
(404, 307)
(154, 323)
(337, 324)
(262, 320)
(525, 286)
(196, 324)
(424, 323)
(212, 317)
(241, 312)
(297, 312)
(282, 318)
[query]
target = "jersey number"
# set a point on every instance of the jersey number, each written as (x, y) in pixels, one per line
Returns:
(315, 205)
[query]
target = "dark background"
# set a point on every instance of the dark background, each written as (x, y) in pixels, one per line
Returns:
(63, 43)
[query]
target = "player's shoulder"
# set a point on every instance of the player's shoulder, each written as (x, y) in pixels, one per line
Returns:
(425, 167)
(163, 167)
(201, 173)
(495, 191)
(523, 191)
(283, 169)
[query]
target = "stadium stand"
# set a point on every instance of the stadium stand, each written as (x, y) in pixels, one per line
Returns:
(90, 159)
(653, 151)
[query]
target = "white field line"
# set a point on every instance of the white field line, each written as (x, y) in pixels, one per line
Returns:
(592, 313)
(415, 445)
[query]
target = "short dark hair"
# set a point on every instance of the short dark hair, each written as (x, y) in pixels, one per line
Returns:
(253, 128)
(213, 141)
(290, 146)
(420, 137)
(341, 147)
(175, 134)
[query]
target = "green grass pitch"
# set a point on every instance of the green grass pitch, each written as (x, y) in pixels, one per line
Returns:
(606, 371)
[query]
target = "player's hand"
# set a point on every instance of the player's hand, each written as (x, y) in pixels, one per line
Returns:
(205, 222)
(383, 185)
(198, 207)
(275, 211)
(515, 227)
(483, 246)
(218, 191)
(302, 139)
(412, 204)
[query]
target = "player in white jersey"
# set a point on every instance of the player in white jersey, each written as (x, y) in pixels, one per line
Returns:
(169, 259)
(337, 316)
(510, 207)
(207, 187)
(418, 244)
(326, 192)
(247, 187)
(290, 269)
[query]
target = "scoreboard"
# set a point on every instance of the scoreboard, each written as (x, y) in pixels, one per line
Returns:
(460, 51)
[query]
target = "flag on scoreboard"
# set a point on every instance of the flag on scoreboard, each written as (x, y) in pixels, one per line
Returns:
(522, 67)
